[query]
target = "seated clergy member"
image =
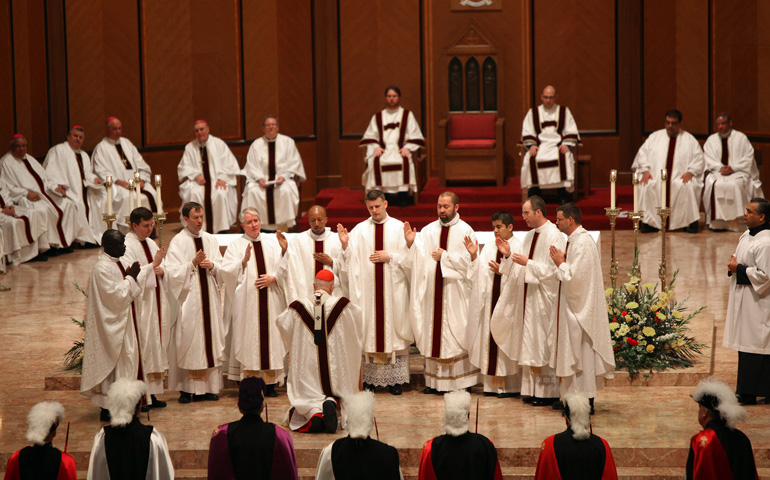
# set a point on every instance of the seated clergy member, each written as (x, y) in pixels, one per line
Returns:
(42, 459)
(324, 334)
(251, 447)
(25, 230)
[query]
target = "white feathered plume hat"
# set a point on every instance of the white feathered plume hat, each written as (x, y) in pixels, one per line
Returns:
(41, 418)
(457, 409)
(578, 410)
(122, 399)
(720, 400)
(360, 413)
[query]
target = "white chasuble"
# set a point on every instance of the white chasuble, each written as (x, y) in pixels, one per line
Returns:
(24, 232)
(548, 128)
(302, 267)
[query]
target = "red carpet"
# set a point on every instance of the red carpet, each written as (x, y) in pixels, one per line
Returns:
(477, 204)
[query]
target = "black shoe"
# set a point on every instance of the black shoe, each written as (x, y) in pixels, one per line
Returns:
(330, 416)
(693, 227)
(430, 391)
(144, 408)
(185, 397)
(157, 403)
(563, 195)
(644, 228)
(490, 394)
(104, 415)
(40, 258)
(744, 399)
(270, 391)
(558, 405)
(63, 251)
(591, 402)
(394, 389)
(369, 386)
(544, 402)
(51, 252)
(532, 191)
(206, 397)
(528, 399)
(89, 246)
(508, 395)
(316, 425)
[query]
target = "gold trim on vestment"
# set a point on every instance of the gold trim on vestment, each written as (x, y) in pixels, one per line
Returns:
(534, 370)
(447, 361)
(379, 357)
(197, 374)
(269, 376)
(497, 381)
(156, 376)
(467, 374)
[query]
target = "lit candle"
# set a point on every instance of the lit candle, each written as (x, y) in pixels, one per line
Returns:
(130, 196)
(137, 189)
(613, 177)
(636, 191)
(663, 181)
(157, 194)
(108, 184)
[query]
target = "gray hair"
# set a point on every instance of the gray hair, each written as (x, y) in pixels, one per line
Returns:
(249, 210)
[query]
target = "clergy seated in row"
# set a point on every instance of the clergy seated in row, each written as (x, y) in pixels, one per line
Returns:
(273, 167)
(251, 447)
(459, 454)
(678, 152)
(576, 453)
(208, 175)
(323, 335)
(42, 459)
(30, 187)
(358, 455)
(732, 176)
(126, 448)
(25, 230)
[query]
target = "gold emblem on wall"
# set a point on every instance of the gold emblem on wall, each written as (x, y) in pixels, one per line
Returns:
(476, 5)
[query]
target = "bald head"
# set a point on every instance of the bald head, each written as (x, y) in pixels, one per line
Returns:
(114, 129)
(201, 130)
(113, 243)
(549, 96)
(316, 217)
(19, 146)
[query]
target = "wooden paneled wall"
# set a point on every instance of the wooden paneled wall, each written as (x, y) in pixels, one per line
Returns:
(322, 66)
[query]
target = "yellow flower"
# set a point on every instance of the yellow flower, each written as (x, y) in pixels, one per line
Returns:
(648, 331)
(660, 316)
(632, 305)
(614, 326)
(624, 329)
(631, 288)
(648, 286)
(634, 280)
(677, 314)
(608, 292)
(650, 348)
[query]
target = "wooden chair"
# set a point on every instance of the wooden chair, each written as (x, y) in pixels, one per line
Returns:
(474, 145)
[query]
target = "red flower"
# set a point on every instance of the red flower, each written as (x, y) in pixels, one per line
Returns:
(624, 313)
(614, 319)
(616, 349)
(631, 341)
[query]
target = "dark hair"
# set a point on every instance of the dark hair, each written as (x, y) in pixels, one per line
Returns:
(763, 207)
(394, 88)
(373, 195)
(724, 115)
(251, 394)
(537, 203)
(453, 195)
(140, 214)
(674, 113)
(187, 207)
(504, 217)
(268, 117)
(571, 210)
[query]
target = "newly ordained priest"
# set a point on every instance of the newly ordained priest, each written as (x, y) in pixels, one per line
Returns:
(252, 267)
(153, 320)
(501, 375)
(720, 450)
(581, 349)
(30, 187)
(748, 308)
(25, 230)
(251, 447)
(113, 318)
(208, 175)
(315, 249)
(324, 335)
(197, 345)
(576, 453)
(533, 318)
(70, 167)
(273, 166)
(437, 264)
(548, 133)
(42, 459)
(732, 176)
(680, 154)
(126, 449)
(117, 157)
(459, 454)
(373, 251)
(390, 139)
(358, 455)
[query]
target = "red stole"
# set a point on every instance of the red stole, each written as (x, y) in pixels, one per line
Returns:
(318, 247)
(379, 293)
(203, 281)
(41, 186)
(140, 373)
(207, 189)
(270, 193)
(263, 319)
(438, 297)
(496, 281)
(79, 158)
(149, 258)
(670, 160)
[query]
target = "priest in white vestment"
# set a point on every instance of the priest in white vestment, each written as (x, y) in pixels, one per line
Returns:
(153, 321)
(30, 187)
(390, 139)
(732, 177)
(549, 133)
(197, 345)
(69, 166)
(252, 267)
(678, 152)
(534, 319)
(25, 230)
(111, 350)
(747, 326)
(501, 375)
(373, 251)
(324, 336)
(315, 249)
(437, 264)
(273, 169)
(115, 156)
(581, 349)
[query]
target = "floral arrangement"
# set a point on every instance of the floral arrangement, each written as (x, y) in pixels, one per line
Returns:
(649, 329)
(73, 359)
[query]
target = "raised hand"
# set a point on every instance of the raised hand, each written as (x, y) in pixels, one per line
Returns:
(133, 270)
(503, 246)
(557, 255)
(200, 256)
(409, 234)
(246, 256)
(471, 246)
(282, 241)
(344, 236)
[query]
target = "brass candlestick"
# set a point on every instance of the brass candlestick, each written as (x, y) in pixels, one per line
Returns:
(664, 213)
(159, 219)
(109, 219)
(636, 271)
(613, 214)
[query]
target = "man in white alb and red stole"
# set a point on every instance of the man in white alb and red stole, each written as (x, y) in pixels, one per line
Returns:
(197, 345)
(315, 249)
(25, 231)
(732, 176)
(549, 133)
(208, 175)
(253, 267)
(273, 166)
(440, 290)
(117, 157)
(582, 348)
(324, 335)
(390, 139)
(69, 166)
(373, 251)
(530, 319)
(501, 375)
(680, 154)
(112, 321)
(30, 187)
(153, 320)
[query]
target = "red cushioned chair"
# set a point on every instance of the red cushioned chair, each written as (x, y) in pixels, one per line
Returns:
(474, 148)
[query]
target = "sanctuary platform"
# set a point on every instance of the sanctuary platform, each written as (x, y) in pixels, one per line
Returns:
(647, 422)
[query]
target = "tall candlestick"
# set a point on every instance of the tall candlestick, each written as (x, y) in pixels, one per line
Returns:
(635, 180)
(108, 184)
(157, 194)
(663, 182)
(613, 178)
(137, 188)
(130, 196)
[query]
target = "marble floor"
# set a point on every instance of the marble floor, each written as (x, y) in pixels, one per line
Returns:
(648, 427)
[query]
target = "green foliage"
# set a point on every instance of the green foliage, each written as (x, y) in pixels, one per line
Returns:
(73, 359)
